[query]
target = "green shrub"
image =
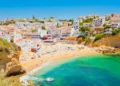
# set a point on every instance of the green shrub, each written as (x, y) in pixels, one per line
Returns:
(34, 30)
(87, 40)
(99, 36)
(115, 32)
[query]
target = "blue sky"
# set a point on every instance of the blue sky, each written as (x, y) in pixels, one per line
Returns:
(60, 9)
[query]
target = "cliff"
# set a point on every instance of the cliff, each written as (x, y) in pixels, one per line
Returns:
(112, 41)
(9, 58)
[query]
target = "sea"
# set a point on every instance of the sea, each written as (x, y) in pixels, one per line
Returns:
(97, 70)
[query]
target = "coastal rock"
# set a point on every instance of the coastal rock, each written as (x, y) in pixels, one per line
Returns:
(9, 58)
(112, 41)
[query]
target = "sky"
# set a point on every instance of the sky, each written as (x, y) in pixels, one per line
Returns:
(60, 9)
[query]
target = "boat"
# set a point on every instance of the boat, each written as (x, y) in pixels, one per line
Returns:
(49, 79)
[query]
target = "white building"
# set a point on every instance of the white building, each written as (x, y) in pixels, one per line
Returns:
(99, 21)
(42, 32)
(5, 35)
(115, 24)
(108, 31)
(87, 24)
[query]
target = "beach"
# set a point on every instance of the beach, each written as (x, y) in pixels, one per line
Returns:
(55, 54)
(56, 60)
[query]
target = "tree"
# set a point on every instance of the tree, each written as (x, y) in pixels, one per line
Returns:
(87, 20)
(94, 17)
(116, 31)
(9, 22)
(83, 29)
(51, 17)
(106, 26)
(34, 30)
(33, 17)
(71, 20)
(98, 37)
(87, 39)
(112, 15)
(81, 24)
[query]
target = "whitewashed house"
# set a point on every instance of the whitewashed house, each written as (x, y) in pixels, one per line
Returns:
(115, 24)
(87, 24)
(42, 32)
(5, 35)
(108, 31)
(99, 21)
(75, 28)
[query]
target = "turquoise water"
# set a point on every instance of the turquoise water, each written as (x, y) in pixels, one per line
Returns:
(97, 70)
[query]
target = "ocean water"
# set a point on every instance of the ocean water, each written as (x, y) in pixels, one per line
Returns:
(96, 70)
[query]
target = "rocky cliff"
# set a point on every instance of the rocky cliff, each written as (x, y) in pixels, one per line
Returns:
(113, 41)
(9, 58)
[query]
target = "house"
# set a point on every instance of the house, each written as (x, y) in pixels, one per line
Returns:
(31, 35)
(82, 18)
(66, 23)
(42, 32)
(99, 21)
(92, 16)
(28, 44)
(108, 16)
(75, 32)
(108, 31)
(17, 36)
(115, 24)
(87, 24)
(97, 30)
(5, 35)
(115, 18)
(2, 22)
(65, 31)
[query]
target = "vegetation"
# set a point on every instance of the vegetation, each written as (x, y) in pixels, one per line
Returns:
(87, 20)
(6, 46)
(98, 37)
(41, 21)
(106, 26)
(87, 39)
(83, 29)
(33, 17)
(9, 22)
(21, 20)
(43, 28)
(71, 20)
(51, 17)
(34, 30)
(116, 31)
(112, 15)
(81, 24)
(107, 19)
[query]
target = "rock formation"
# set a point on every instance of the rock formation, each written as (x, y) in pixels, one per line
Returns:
(9, 58)
(112, 41)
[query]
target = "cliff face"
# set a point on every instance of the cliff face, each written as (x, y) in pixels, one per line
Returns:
(9, 58)
(113, 41)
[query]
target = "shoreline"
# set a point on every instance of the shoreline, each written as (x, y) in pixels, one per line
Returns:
(37, 64)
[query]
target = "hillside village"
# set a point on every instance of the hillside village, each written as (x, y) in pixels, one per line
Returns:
(31, 33)
(42, 40)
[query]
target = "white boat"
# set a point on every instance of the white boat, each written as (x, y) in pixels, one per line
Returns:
(49, 79)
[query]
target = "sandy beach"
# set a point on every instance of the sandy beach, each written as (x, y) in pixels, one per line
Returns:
(54, 53)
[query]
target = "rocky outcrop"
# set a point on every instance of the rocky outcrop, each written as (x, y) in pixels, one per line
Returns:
(9, 58)
(112, 41)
